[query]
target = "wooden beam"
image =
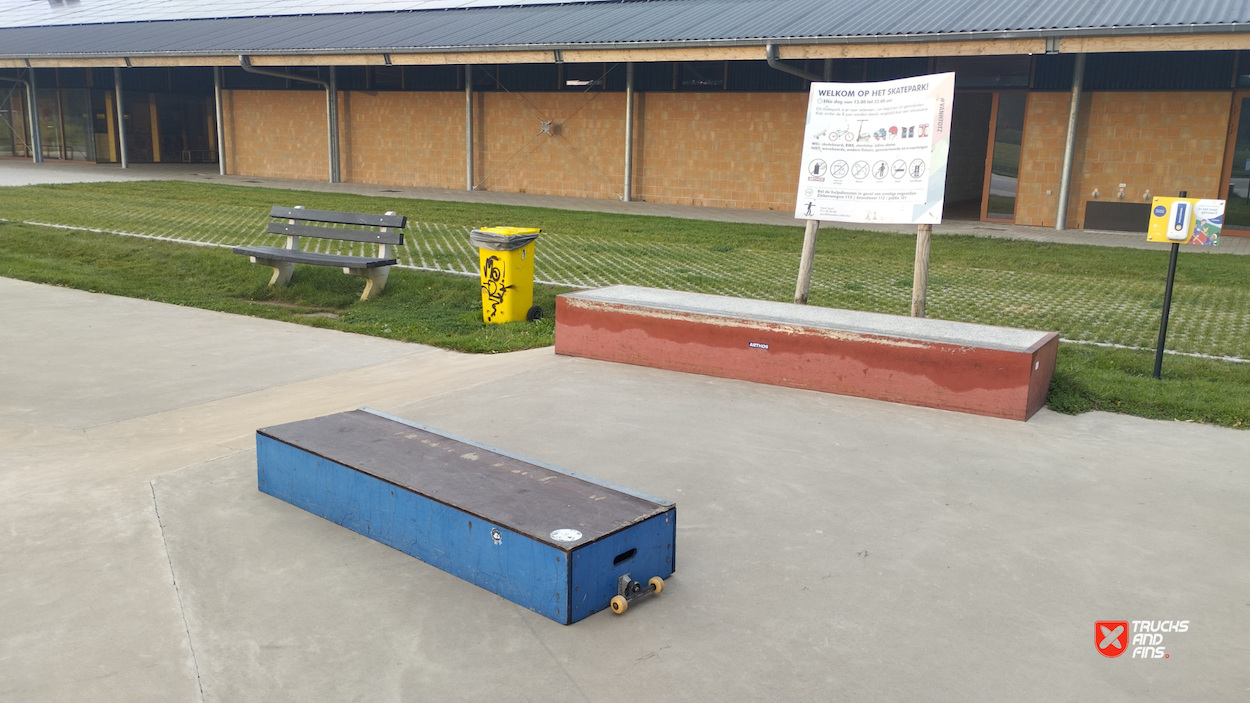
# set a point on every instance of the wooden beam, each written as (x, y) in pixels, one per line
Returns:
(982, 47)
(1158, 42)
(154, 128)
(475, 58)
(723, 53)
(79, 62)
(319, 60)
(144, 61)
(972, 47)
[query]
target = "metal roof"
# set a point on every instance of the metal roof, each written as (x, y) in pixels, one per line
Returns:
(25, 13)
(625, 23)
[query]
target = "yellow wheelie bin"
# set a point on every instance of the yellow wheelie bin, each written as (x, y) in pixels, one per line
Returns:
(506, 258)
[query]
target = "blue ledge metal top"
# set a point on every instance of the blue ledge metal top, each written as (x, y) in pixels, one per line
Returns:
(522, 495)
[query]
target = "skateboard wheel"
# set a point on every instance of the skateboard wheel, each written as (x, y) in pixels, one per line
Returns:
(619, 604)
(657, 583)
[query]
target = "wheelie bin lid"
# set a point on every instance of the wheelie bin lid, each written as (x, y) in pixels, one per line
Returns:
(503, 238)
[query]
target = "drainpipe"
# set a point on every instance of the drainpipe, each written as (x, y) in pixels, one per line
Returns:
(770, 52)
(221, 130)
(36, 150)
(1069, 146)
(468, 126)
(629, 132)
(332, 118)
(121, 117)
(332, 107)
(36, 134)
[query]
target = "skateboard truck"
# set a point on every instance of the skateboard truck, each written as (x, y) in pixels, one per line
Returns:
(628, 589)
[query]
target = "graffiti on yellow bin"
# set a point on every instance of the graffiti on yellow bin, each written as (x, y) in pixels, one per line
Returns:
(493, 284)
(1186, 221)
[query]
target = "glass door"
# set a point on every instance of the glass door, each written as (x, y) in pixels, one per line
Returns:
(1237, 166)
(1002, 162)
(13, 127)
(50, 123)
(79, 132)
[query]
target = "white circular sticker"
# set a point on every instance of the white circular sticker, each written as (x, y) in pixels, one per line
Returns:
(566, 535)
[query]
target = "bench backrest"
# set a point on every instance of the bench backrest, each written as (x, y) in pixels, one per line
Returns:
(390, 224)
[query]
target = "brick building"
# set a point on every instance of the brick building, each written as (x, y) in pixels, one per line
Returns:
(680, 101)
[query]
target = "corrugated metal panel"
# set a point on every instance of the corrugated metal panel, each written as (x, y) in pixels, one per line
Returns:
(672, 21)
(24, 13)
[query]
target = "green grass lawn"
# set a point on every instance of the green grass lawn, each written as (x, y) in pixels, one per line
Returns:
(416, 306)
(1093, 294)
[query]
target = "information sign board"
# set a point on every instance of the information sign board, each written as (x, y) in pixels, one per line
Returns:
(876, 152)
(1186, 221)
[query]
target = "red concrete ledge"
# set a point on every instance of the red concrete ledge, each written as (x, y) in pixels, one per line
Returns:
(996, 371)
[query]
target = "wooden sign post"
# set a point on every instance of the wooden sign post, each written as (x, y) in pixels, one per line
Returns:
(920, 275)
(875, 153)
(805, 263)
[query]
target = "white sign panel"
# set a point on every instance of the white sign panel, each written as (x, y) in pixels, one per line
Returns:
(876, 152)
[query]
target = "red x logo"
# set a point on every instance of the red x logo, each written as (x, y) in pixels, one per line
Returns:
(1111, 637)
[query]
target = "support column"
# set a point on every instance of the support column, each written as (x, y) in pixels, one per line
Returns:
(1069, 146)
(468, 127)
(121, 117)
(221, 131)
(36, 137)
(332, 123)
(629, 133)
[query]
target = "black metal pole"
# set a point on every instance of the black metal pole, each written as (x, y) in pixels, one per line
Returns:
(1167, 306)
(1167, 303)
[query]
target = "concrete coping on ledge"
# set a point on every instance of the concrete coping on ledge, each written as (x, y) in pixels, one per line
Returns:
(964, 334)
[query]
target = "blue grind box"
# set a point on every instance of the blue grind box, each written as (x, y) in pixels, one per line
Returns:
(506, 523)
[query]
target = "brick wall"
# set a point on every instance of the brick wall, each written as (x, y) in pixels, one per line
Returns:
(1164, 142)
(584, 158)
(739, 150)
(717, 149)
(278, 133)
(402, 138)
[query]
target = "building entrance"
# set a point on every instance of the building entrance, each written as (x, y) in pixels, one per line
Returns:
(1237, 167)
(984, 165)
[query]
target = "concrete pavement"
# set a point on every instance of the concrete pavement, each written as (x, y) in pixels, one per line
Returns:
(21, 172)
(829, 548)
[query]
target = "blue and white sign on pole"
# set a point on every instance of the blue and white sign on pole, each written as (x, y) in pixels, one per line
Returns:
(876, 152)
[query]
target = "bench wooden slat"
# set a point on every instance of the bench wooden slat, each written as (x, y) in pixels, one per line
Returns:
(349, 235)
(309, 257)
(339, 218)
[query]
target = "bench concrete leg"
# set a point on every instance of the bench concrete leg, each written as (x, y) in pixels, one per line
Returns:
(282, 270)
(375, 279)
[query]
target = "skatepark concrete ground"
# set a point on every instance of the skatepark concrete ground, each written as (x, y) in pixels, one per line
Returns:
(829, 548)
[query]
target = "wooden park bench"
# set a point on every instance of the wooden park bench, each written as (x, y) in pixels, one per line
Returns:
(374, 269)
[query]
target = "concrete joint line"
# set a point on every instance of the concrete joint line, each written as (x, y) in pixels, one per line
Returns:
(521, 615)
(174, 578)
